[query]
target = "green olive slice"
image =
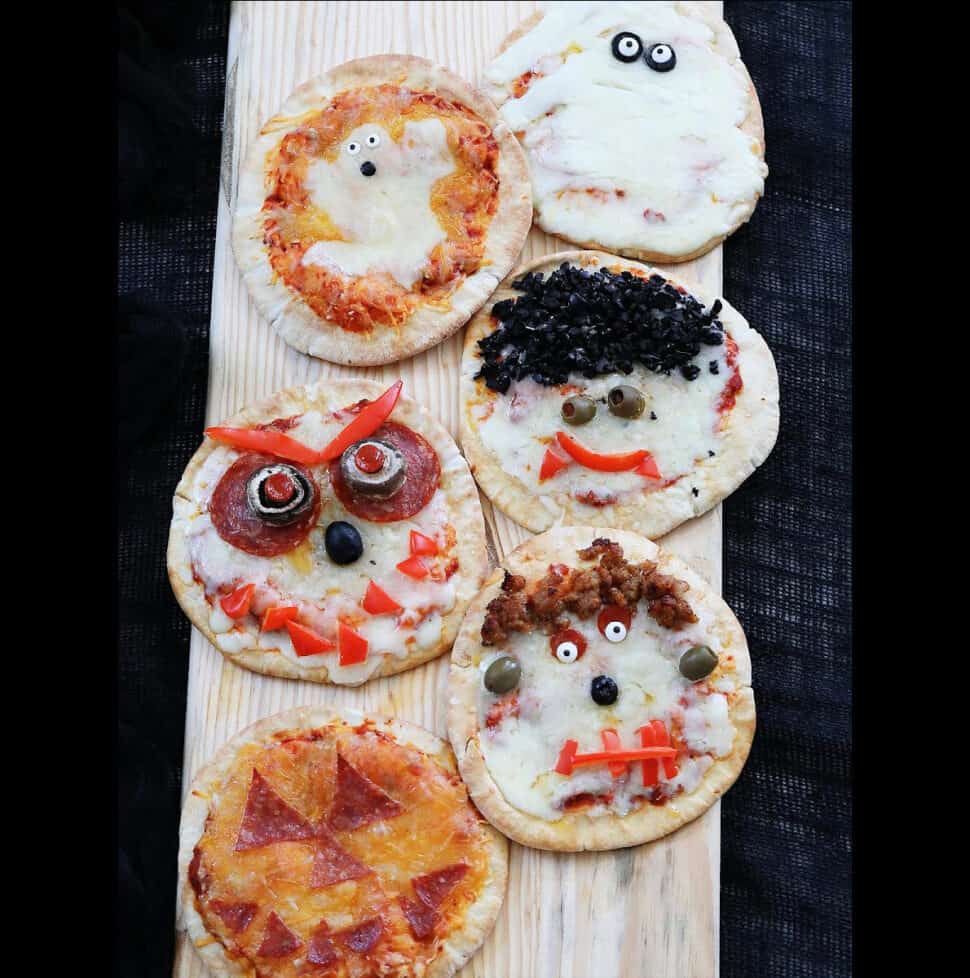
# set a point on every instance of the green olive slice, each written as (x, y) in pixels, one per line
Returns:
(626, 401)
(502, 675)
(697, 663)
(578, 409)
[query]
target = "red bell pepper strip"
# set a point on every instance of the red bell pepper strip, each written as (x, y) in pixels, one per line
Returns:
(552, 464)
(648, 738)
(611, 743)
(648, 468)
(370, 418)
(353, 647)
(414, 567)
(637, 754)
(305, 640)
(593, 460)
(565, 763)
(662, 739)
(277, 616)
(237, 604)
(379, 602)
(265, 440)
(422, 545)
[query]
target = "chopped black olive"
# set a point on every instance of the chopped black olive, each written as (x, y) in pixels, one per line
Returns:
(710, 453)
(695, 491)
(714, 368)
(593, 323)
(653, 415)
(343, 542)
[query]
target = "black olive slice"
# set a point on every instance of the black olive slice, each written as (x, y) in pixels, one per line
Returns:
(627, 47)
(660, 57)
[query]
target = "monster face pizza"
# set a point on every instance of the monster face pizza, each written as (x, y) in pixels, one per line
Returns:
(597, 391)
(332, 533)
(600, 693)
(323, 844)
(642, 127)
(377, 211)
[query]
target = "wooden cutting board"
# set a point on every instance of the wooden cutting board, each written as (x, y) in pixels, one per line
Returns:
(632, 913)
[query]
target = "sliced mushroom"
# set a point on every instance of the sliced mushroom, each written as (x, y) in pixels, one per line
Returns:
(279, 493)
(373, 468)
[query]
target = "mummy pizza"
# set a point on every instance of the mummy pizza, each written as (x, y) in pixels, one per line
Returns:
(600, 693)
(326, 844)
(377, 211)
(641, 125)
(597, 391)
(331, 533)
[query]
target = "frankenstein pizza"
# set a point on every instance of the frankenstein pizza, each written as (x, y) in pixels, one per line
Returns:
(641, 125)
(325, 844)
(332, 533)
(597, 391)
(600, 693)
(377, 211)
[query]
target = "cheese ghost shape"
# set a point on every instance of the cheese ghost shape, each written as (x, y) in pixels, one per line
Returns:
(622, 153)
(377, 192)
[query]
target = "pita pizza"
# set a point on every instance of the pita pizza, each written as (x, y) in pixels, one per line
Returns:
(378, 209)
(600, 693)
(331, 533)
(325, 843)
(641, 125)
(598, 391)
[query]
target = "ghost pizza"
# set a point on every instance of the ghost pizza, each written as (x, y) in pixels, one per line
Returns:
(332, 533)
(600, 692)
(642, 127)
(323, 843)
(597, 390)
(377, 211)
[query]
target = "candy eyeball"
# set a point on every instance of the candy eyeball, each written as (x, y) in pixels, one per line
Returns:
(373, 140)
(660, 57)
(568, 645)
(627, 47)
(614, 623)
(353, 148)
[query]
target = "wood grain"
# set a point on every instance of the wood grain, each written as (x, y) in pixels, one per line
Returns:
(649, 911)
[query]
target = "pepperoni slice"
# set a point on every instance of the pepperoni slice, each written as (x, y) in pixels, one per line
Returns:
(240, 527)
(236, 916)
(194, 877)
(268, 818)
(278, 940)
(322, 951)
(363, 937)
(423, 476)
(432, 888)
(358, 801)
(333, 864)
(420, 916)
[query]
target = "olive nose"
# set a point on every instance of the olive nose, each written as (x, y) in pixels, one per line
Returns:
(368, 168)
(603, 690)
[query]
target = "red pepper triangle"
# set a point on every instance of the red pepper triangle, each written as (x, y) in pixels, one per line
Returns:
(332, 863)
(278, 940)
(269, 819)
(357, 800)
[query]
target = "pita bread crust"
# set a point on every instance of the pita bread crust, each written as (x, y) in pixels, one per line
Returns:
(577, 831)
(752, 125)
(464, 514)
(292, 318)
(460, 945)
(749, 434)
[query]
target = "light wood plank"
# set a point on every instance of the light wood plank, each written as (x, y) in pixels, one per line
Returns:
(649, 911)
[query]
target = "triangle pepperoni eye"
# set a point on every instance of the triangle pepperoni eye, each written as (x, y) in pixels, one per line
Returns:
(568, 645)
(614, 622)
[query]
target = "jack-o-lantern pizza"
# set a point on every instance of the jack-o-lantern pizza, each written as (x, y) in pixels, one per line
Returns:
(596, 390)
(641, 125)
(378, 209)
(324, 844)
(600, 692)
(332, 533)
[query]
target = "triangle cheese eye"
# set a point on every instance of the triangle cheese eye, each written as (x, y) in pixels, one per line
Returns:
(614, 623)
(627, 47)
(660, 57)
(568, 645)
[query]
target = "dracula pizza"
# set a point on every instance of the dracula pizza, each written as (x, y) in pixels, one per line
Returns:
(332, 533)
(377, 211)
(641, 125)
(600, 693)
(322, 844)
(596, 390)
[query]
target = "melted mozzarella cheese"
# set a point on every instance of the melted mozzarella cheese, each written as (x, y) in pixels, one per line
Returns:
(324, 591)
(555, 705)
(669, 142)
(682, 432)
(385, 219)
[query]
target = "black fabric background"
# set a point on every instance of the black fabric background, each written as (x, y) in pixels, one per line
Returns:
(786, 860)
